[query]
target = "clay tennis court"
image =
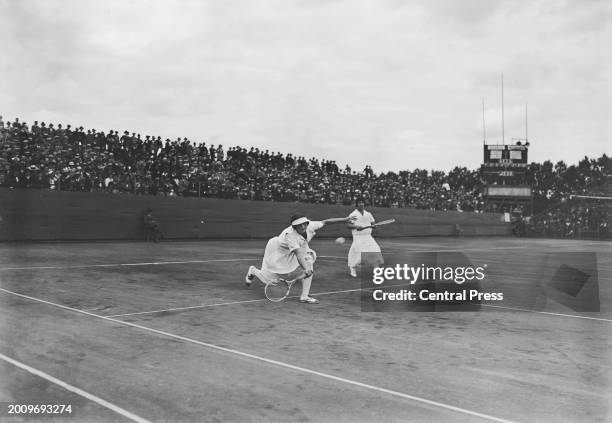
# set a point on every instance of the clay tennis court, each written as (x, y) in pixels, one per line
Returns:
(169, 332)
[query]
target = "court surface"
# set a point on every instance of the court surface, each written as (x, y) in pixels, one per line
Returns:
(169, 332)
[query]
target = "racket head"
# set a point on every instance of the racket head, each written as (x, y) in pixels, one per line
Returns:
(277, 290)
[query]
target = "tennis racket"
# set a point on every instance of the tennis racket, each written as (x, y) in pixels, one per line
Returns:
(381, 223)
(277, 290)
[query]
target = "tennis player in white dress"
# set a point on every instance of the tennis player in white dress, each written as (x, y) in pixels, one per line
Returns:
(363, 242)
(288, 255)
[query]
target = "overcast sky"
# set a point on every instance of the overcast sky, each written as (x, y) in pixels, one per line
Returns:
(395, 84)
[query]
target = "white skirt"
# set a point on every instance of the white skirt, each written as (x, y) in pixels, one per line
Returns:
(363, 243)
(280, 261)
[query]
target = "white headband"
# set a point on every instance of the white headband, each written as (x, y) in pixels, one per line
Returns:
(299, 221)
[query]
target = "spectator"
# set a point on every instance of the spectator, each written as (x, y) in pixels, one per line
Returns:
(152, 229)
(49, 156)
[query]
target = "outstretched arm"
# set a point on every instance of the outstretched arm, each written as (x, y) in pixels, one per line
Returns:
(333, 220)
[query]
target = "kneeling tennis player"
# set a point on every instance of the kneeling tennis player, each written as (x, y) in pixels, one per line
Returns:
(288, 255)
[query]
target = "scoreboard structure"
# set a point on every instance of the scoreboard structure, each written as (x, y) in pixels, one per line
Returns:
(504, 163)
(504, 172)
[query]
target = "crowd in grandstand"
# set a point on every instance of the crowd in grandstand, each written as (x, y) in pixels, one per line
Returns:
(48, 156)
(74, 159)
(578, 219)
(574, 201)
(575, 216)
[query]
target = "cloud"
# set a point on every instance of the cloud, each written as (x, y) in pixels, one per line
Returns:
(388, 83)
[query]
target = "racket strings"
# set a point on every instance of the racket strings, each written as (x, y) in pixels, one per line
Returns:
(277, 290)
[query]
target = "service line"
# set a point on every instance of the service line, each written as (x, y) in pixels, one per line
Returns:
(152, 263)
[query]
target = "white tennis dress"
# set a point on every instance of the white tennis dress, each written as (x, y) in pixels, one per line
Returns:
(363, 242)
(280, 258)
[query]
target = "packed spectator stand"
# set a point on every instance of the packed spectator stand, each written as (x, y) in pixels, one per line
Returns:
(575, 216)
(75, 159)
(48, 156)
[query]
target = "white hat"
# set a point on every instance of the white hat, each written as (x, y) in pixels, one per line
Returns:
(299, 221)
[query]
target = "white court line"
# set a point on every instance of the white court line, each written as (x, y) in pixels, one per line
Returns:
(74, 389)
(344, 291)
(438, 251)
(274, 362)
(243, 302)
(157, 263)
(550, 313)
(463, 249)
(440, 245)
(186, 308)
(247, 301)
(154, 263)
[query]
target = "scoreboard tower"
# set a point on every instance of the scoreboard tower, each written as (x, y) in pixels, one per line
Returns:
(503, 172)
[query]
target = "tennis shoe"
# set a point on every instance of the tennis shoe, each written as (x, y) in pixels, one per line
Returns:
(248, 280)
(309, 300)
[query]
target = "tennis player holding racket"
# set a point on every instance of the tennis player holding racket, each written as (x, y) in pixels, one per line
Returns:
(288, 255)
(363, 242)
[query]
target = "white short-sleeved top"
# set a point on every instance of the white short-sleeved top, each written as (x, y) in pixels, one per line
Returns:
(280, 256)
(365, 219)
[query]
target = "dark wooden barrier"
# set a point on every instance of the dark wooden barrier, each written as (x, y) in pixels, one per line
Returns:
(60, 215)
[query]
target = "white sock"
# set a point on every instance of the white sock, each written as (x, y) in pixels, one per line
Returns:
(305, 287)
